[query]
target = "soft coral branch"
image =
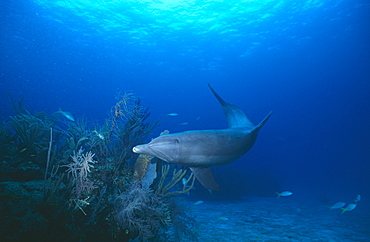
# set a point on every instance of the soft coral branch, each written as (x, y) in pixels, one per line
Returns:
(79, 168)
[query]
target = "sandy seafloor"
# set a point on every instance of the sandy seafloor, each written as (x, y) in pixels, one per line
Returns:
(283, 219)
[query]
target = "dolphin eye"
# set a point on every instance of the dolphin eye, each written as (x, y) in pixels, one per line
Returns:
(177, 141)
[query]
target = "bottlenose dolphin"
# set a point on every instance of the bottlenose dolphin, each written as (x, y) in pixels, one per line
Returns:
(200, 149)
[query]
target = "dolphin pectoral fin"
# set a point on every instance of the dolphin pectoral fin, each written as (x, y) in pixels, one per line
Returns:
(205, 177)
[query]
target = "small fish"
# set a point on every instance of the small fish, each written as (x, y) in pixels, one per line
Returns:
(68, 115)
(358, 198)
(99, 135)
(349, 207)
(184, 123)
(184, 183)
(172, 114)
(338, 205)
(22, 150)
(197, 118)
(284, 194)
(222, 218)
(198, 202)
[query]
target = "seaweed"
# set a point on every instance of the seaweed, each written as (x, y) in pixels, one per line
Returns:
(7, 144)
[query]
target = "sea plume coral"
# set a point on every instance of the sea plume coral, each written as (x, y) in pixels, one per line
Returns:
(141, 213)
(79, 168)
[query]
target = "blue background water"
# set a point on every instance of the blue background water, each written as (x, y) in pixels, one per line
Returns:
(308, 61)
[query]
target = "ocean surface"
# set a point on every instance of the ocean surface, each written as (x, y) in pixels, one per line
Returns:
(307, 61)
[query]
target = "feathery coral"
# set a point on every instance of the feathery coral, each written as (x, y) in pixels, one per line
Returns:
(80, 168)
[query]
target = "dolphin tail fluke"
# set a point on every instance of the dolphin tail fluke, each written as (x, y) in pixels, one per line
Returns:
(205, 177)
(263, 121)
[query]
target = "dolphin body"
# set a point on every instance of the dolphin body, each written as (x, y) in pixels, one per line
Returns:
(200, 149)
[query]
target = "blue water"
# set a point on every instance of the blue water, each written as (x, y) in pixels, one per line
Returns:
(307, 61)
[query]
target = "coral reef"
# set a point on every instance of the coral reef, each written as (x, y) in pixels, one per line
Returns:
(164, 189)
(79, 180)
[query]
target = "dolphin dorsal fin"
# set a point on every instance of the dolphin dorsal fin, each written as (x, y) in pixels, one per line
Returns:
(236, 118)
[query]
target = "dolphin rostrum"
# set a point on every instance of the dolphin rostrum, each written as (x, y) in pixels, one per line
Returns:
(200, 149)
